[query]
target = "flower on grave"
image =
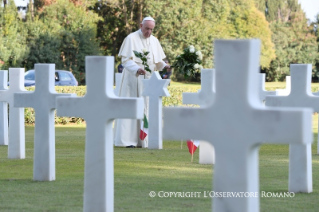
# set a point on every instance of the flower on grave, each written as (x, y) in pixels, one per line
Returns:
(143, 56)
(189, 62)
(199, 55)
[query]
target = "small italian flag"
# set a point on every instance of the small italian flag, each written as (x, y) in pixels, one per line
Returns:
(192, 145)
(144, 128)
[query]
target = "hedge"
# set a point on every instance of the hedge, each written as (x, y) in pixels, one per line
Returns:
(174, 100)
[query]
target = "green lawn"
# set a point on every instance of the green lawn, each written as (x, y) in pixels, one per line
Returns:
(137, 172)
(268, 85)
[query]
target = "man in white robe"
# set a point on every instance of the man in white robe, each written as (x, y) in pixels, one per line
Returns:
(127, 131)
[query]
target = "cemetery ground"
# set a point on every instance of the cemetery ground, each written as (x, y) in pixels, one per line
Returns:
(138, 171)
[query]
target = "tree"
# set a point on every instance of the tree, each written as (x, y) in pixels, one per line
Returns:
(63, 33)
(294, 42)
(198, 23)
(12, 37)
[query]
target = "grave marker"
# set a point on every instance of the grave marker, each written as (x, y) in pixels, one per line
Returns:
(205, 96)
(237, 123)
(317, 94)
(16, 147)
(285, 91)
(3, 110)
(43, 101)
(155, 88)
(263, 92)
(99, 107)
(300, 163)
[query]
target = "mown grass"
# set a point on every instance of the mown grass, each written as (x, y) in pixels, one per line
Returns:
(137, 172)
(268, 85)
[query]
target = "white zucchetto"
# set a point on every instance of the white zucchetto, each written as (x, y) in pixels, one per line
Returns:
(148, 19)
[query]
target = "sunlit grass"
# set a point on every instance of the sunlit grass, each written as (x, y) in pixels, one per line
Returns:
(137, 172)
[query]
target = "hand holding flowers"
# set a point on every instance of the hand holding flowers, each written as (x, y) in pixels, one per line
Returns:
(143, 56)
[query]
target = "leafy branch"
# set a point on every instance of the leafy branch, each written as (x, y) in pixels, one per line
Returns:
(142, 56)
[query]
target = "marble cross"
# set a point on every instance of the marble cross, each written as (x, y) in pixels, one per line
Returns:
(43, 101)
(263, 92)
(99, 107)
(300, 162)
(286, 91)
(3, 110)
(204, 97)
(317, 94)
(155, 88)
(118, 80)
(16, 146)
(237, 123)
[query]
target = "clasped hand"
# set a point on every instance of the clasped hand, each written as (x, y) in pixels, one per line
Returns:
(141, 71)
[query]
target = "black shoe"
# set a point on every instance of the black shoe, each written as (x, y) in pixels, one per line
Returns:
(131, 146)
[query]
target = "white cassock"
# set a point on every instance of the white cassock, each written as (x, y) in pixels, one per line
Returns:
(127, 131)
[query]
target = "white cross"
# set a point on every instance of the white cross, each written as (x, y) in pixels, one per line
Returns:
(16, 147)
(236, 123)
(155, 88)
(118, 80)
(263, 92)
(300, 163)
(99, 107)
(286, 91)
(43, 101)
(317, 94)
(204, 97)
(206, 94)
(3, 110)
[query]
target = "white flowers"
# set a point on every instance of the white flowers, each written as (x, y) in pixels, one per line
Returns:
(144, 50)
(189, 62)
(191, 49)
(197, 66)
(199, 55)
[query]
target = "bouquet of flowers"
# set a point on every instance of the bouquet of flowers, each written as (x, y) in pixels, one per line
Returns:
(143, 56)
(189, 62)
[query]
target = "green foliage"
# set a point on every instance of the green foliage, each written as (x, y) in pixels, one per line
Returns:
(188, 63)
(143, 57)
(293, 38)
(174, 100)
(316, 33)
(119, 18)
(63, 34)
(183, 23)
(13, 45)
(78, 90)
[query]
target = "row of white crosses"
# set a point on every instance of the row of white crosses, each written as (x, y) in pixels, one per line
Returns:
(205, 96)
(300, 169)
(43, 102)
(155, 88)
(99, 107)
(206, 150)
(16, 135)
(300, 162)
(286, 92)
(235, 123)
